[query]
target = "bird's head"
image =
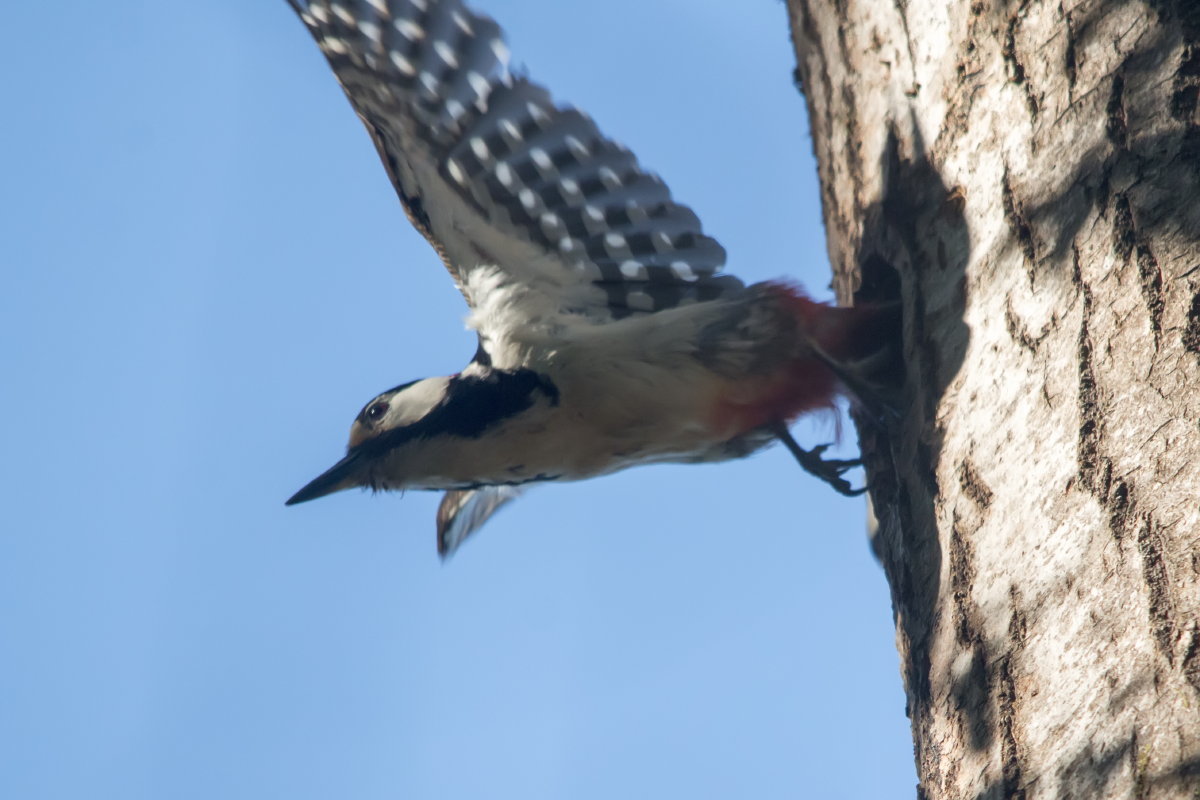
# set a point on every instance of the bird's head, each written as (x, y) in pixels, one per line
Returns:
(391, 419)
(436, 433)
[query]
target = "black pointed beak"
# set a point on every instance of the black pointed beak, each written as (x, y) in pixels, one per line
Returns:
(339, 476)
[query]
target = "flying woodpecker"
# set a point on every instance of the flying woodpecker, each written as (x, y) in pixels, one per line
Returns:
(607, 336)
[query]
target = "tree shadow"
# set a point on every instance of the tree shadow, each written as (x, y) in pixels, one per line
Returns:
(1093, 768)
(914, 250)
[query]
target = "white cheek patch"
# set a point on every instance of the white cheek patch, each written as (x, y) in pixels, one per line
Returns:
(414, 402)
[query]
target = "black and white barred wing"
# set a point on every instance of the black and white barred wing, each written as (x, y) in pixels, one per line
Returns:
(496, 175)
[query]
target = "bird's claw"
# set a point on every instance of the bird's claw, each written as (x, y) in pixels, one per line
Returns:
(830, 471)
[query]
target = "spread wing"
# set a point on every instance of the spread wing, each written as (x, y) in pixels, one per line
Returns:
(501, 180)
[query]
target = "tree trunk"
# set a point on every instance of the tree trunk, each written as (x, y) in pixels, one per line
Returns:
(1024, 177)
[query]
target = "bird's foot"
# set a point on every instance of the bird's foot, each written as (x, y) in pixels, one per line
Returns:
(830, 471)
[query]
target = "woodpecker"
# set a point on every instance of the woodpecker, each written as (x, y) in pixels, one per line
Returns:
(608, 338)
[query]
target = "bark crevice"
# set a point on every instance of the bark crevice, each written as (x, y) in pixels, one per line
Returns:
(1022, 175)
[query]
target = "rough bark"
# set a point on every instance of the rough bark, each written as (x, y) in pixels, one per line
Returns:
(1024, 177)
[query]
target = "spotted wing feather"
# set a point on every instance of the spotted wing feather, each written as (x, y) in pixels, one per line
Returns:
(493, 173)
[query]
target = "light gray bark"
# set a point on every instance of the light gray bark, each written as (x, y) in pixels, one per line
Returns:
(1025, 177)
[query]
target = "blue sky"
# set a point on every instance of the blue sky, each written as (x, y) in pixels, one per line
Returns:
(206, 276)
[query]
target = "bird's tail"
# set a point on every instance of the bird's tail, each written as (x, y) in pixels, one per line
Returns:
(859, 345)
(786, 354)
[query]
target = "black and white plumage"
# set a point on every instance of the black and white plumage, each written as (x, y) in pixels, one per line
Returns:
(608, 336)
(493, 173)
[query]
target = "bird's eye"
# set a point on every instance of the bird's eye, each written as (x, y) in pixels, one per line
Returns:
(376, 411)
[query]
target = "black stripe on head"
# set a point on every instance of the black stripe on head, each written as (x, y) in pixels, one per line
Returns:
(472, 405)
